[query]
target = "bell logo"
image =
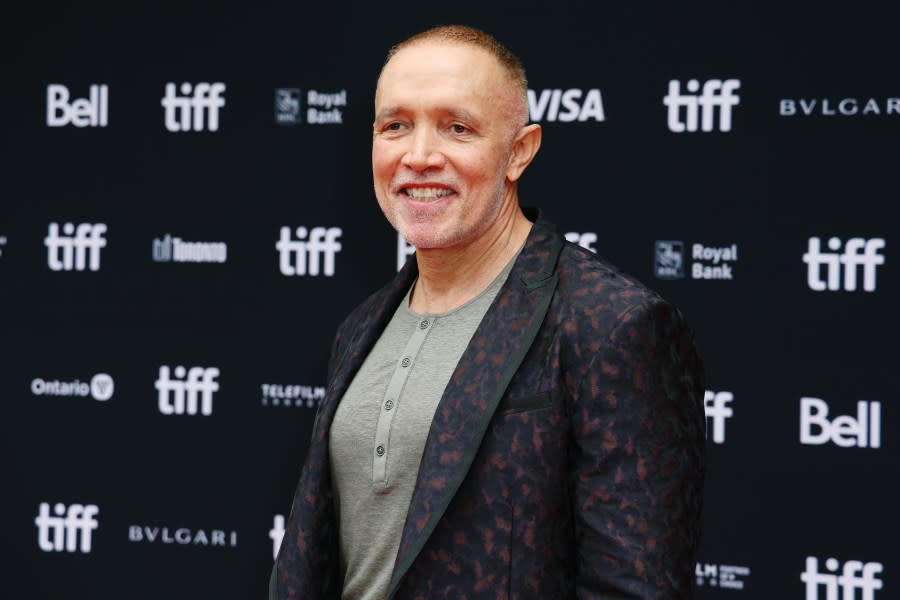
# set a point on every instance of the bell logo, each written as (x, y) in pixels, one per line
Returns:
(196, 109)
(864, 431)
(855, 575)
(716, 93)
(715, 405)
(92, 111)
(78, 248)
(69, 530)
(181, 396)
(545, 106)
(851, 258)
(277, 534)
(301, 256)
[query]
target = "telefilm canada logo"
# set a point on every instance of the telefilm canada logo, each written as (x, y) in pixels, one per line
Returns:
(731, 577)
(68, 528)
(186, 391)
(706, 262)
(847, 259)
(709, 110)
(72, 247)
(193, 107)
(565, 106)
(276, 394)
(846, 431)
(100, 387)
(92, 111)
(322, 108)
(175, 249)
(855, 575)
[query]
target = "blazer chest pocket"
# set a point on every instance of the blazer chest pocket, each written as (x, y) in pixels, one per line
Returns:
(529, 402)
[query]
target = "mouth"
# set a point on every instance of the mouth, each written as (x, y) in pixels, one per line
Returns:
(426, 193)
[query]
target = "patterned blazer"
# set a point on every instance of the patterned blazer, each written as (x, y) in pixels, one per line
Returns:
(565, 458)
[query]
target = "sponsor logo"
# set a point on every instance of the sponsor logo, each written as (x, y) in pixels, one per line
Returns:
(844, 107)
(287, 106)
(864, 431)
(585, 240)
(191, 390)
(715, 405)
(196, 109)
(576, 105)
(722, 576)
(707, 262)
(77, 248)
(701, 108)
(92, 111)
(182, 536)
(302, 256)
(100, 387)
(69, 529)
(175, 249)
(404, 251)
(2, 243)
(276, 534)
(274, 394)
(325, 108)
(855, 575)
(858, 252)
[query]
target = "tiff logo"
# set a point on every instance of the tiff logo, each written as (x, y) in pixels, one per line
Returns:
(63, 531)
(92, 111)
(855, 575)
(77, 248)
(585, 240)
(301, 256)
(851, 258)
(715, 405)
(716, 93)
(845, 431)
(193, 111)
(179, 396)
(277, 534)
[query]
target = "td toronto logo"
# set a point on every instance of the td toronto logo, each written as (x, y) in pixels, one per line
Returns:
(69, 529)
(92, 111)
(75, 249)
(100, 387)
(688, 111)
(191, 390)
(312, 255)
(196, 109)
(577, 105)
(322, 108)
(855, 575)
(175, 249)
(857, 252)
(707, 262)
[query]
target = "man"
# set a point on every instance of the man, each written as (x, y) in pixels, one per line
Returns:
(511, 417)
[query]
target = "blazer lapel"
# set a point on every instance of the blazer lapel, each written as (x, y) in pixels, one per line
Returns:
(481, 377)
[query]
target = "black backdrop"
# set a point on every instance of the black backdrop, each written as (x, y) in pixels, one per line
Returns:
(188, 505)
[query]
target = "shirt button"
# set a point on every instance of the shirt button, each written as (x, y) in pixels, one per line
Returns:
(379, 450)
(405, 362)
(423, 324)
(388, 404)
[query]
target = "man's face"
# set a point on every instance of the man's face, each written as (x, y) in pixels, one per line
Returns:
(442, 135)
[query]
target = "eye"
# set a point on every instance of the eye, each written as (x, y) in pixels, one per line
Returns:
(393, 126)
(459, 128)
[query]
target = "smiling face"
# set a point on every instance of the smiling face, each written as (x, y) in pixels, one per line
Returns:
(446, 116)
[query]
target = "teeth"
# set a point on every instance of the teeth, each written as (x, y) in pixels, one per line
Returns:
(427, 192)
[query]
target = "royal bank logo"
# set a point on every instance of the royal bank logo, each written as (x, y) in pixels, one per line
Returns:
(717, 407)
(730, 577)
(68, 529)
(565, 106)
(706, 262)
(287, 106)
(276, 394)
(100, 387)
(838, 107)
(707, 111)
(586, 240)
(76, 248)
(175, 249)
(182, 536)
(857, 253)
(92, 111)
(185, 391)
(195, 109)
(846, 431)
(312, 253)
(854, 576)
(276, 534)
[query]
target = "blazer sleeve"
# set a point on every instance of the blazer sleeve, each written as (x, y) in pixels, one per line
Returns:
(638, 425)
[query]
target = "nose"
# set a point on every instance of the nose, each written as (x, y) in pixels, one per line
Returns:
(424, 151)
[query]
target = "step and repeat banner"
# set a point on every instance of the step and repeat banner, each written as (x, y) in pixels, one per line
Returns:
(187, 214)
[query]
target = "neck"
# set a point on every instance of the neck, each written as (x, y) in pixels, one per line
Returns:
(450, 277)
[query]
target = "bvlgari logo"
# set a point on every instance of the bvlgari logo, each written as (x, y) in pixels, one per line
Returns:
(838, 107)
(182, 536)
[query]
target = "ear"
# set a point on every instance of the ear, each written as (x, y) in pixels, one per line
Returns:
(524, 147)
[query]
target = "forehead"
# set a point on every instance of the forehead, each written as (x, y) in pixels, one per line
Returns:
(438, 71)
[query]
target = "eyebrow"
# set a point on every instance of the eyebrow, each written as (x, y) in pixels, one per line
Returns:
(456, 113)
